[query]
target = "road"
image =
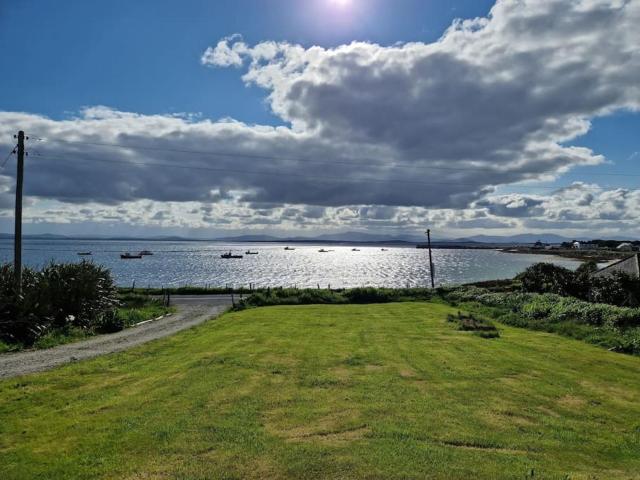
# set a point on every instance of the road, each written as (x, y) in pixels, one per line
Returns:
(191, 311)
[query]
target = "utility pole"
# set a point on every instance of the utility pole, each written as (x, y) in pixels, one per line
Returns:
(433, 283)
(17, 239)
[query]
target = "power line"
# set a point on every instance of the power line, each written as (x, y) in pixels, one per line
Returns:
(286, 174)
(306, 160)
(8, 157)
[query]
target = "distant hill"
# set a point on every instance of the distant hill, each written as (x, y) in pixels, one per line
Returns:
(352, 237)
(346, 237)
(520, 238)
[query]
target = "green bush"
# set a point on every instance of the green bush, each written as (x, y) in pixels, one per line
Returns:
(56, 298)
(616, 289)
(548, 278)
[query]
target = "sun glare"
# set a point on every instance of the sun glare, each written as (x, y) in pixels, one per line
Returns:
(341, 3)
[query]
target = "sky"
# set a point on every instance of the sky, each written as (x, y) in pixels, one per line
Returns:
(214, 118)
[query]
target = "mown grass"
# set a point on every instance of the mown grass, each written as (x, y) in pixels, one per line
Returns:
(335, 391)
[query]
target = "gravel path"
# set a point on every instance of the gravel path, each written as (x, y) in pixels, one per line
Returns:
(191, 311)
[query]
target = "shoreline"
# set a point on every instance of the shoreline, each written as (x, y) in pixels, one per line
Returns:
(584, 256)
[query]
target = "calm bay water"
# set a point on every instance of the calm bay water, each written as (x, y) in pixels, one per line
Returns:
(199, 263)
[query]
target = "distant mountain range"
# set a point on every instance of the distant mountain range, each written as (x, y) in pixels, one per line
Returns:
(346, 237)
(521, 238)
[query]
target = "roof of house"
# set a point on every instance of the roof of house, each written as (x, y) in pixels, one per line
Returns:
(629, 265)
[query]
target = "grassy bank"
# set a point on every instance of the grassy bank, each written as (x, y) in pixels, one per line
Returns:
(133, 309)
(345, 391)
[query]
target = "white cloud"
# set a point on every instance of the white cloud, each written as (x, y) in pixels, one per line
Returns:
(494, 102)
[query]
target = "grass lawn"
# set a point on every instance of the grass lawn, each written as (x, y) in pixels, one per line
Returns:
(350, 391)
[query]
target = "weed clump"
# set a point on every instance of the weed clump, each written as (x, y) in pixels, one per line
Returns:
(479, 326)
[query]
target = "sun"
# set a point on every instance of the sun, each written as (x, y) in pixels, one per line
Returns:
(341, 3)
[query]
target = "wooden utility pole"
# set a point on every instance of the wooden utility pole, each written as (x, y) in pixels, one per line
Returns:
(17, 239)
(433, 283)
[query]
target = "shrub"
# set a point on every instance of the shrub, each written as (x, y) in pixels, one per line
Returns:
(58, 297)
(110, 322)
(618, 288)
(548, 278)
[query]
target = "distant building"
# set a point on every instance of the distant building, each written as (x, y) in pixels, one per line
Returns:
(584, 246)
(625, 247)
(630, 266)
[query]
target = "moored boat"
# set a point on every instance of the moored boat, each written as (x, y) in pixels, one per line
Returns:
(230, 255)
(145, 253)
(85, 254)
(289, 248)
(129, 256)
(249, 252)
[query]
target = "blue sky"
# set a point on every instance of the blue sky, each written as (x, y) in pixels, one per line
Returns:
(145, 58)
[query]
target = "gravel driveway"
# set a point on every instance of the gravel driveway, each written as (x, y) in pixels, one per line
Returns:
(191, 311)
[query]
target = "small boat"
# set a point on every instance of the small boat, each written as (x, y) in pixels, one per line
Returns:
(145, 253)
(322, 250)
(230, 255)
(384, 250)
(355, 249)
(128, 256)
(289, 248)
(84, 254)
(249, 252)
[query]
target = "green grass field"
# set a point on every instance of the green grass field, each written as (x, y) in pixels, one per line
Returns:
(350, 391)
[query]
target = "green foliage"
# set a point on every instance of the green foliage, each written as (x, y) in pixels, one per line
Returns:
(609, 326)
(60, 337)
(55, 299)
(548, 278)
(294, 296)
(618, 288)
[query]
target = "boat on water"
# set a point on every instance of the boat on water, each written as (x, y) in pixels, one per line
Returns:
(355, 249)
(230, 255)
(249, 252)
(322, 250)
(289, 248)
(85, 254)
(145, 253)
(129, 256)
(384, 250)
